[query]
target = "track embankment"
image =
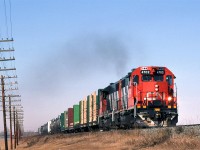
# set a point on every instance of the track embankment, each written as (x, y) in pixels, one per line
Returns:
(176, 138)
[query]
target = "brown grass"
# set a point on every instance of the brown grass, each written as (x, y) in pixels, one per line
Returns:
(145, 139)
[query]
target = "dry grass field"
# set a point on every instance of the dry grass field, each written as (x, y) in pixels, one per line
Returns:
(145, 139)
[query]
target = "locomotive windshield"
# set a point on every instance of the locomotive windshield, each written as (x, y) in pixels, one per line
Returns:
(158, 78)
(169, 79)
(146, 78)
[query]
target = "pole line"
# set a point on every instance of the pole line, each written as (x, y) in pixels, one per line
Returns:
(4, 113)
(14, 127)
(17, 128)
(11, 143)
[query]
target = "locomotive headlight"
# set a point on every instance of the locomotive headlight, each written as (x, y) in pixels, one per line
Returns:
(156, 86)
(169, 98)
(145, 98)
(156, 89)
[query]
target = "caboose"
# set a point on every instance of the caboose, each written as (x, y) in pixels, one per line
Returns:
(147, 96)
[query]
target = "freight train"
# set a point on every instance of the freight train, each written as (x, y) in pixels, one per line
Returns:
(145, 97)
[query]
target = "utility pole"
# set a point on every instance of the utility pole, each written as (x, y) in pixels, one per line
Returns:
(14, 127)
(17, 128)
(5, 110)
(11, 143)
(4, 113)
(20, 133)
(6, 89)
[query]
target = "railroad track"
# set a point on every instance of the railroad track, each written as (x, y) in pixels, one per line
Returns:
(188, 125)
(146, 128)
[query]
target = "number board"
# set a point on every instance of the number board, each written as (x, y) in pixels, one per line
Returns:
(145, 71)
(160, 72)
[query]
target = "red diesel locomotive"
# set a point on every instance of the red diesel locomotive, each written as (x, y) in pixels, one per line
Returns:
(147, 96)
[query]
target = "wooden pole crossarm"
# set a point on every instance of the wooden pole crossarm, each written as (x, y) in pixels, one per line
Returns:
(7, 59)
(5, 69)
(7, 50)
(7, 40)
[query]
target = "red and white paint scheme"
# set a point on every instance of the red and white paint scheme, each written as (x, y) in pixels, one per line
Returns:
(147, 96)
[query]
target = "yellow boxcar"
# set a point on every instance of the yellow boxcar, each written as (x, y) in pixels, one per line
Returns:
(94, 108)
(85, 111)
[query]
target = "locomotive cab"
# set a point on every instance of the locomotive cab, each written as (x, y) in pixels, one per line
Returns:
(155, 96)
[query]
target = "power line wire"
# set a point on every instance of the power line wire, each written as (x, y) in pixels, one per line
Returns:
(11, 26)
(6, 20)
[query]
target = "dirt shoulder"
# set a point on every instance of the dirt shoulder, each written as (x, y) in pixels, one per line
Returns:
(146, 139)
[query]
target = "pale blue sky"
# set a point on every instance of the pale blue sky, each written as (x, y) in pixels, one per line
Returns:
(66, 49)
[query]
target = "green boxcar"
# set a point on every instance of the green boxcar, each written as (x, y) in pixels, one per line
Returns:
(80, 113)
(76, 116)
(62, 122)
